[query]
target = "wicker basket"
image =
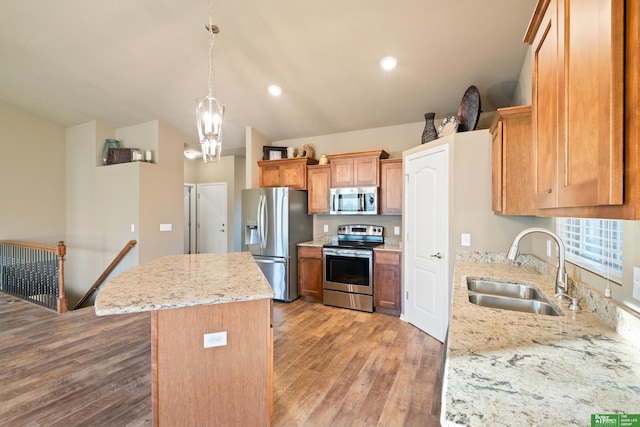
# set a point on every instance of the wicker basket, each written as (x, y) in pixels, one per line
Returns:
(119, 155)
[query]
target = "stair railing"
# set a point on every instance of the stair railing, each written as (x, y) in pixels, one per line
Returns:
(123, 252)
(34, 273)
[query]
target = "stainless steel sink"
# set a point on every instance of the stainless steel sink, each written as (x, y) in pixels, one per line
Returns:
(507, 295)
(503, 288)
(515, 304)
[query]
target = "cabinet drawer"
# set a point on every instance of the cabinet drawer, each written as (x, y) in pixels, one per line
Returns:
(387, 257)
(309, 252)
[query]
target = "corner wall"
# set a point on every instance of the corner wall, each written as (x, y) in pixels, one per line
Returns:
(32, 178)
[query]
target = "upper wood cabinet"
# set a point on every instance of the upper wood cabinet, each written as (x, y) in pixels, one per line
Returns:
(318, 184)
(577, 102)
(511, 154)
(391, 187)
(360, 169)
(285, 173)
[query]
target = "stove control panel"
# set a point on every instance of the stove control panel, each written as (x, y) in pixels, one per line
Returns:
(360, 230)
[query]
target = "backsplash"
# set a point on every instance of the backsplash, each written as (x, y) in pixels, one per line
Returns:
(614, 315)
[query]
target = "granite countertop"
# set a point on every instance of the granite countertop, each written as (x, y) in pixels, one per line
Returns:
(393, 247)
(506, 368)
(313, 243)
(184, 280)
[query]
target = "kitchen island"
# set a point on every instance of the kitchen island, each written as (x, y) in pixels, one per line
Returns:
(509, 368)
(211, 336)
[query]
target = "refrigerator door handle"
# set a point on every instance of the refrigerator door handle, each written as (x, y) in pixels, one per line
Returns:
(262, 221)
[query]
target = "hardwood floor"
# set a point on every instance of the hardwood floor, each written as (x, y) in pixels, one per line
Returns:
(332, 367)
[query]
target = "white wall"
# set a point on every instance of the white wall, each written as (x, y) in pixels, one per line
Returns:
(103, 202)
(32, 178)
(253, 152)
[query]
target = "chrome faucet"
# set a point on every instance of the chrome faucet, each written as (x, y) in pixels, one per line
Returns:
(561, 275)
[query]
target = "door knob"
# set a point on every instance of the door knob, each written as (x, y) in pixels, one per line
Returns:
(438, 255)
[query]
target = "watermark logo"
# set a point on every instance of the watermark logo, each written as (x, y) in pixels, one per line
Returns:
(615, 420)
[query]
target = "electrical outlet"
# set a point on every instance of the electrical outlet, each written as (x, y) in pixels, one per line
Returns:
(549, 248)
(636, 283)
(325, 228)
(215, 339)
(465, 239)
(396, 230)
(165, 227)
(133, 228)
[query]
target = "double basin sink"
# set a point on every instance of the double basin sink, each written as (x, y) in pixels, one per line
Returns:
(509, 295)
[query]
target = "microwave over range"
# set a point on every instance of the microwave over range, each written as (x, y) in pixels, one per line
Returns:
(354, 201)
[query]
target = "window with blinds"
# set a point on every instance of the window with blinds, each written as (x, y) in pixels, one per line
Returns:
(594, 244)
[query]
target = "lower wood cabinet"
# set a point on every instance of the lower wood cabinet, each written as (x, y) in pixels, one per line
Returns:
(387, 282)
(310, 272)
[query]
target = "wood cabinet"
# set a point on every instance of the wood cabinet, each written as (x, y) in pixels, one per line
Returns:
(387, 281)
(285, 173)
(391, 187)
(511, 154)
(194, 385)
(577, 102)
(361, 169)
(310, 272)
(318, 185)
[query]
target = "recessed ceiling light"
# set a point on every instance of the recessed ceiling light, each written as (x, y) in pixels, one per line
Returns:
(388, 63)
(275, 90)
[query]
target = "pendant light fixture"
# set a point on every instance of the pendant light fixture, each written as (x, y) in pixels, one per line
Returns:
(210, 110)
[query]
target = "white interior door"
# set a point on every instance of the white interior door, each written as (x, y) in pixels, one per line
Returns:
(426, 241)
(189, 200)
(212, 217)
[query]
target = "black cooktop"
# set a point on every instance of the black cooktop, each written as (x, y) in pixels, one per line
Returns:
(358, 237)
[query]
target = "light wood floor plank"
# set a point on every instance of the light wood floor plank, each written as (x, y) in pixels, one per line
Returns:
(332, 367)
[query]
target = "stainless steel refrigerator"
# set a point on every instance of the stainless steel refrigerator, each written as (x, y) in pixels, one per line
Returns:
(274, 221)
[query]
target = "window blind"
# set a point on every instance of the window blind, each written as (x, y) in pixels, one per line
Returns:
(594, 244)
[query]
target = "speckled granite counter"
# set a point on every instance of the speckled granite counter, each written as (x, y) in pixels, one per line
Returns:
(391, 247)
(313, 243)
(182, 281)
(506, 368)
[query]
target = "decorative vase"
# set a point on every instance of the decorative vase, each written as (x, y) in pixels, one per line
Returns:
(108, 143)
(429, 133)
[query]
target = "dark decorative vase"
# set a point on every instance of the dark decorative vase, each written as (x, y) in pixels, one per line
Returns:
(429, 133)
(109, 143)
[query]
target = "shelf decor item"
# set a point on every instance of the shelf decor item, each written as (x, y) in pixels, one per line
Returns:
(108, 143)
(429, 133)
(273, 153)
(448, 126)
(469, 110)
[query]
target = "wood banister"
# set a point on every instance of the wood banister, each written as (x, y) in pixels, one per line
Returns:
(130, 244)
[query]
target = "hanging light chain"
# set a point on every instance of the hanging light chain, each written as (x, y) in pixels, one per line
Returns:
(212, 29)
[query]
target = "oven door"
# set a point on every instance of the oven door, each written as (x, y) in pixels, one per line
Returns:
(348, 270)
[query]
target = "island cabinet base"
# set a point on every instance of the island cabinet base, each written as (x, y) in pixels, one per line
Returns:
(217, 386)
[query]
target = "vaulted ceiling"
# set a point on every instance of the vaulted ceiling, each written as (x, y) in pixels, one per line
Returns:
(127, 62)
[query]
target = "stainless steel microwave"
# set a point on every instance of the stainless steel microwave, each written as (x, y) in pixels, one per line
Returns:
(354, 201)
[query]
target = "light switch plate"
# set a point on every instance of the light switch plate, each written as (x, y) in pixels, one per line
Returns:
(636, 283)
(465, 239)
(325, 228)
(396, 230)
(165, 227)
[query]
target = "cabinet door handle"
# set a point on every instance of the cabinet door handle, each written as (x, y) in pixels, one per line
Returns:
(438, 255)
